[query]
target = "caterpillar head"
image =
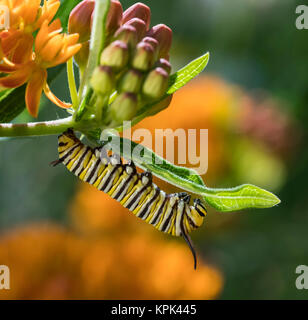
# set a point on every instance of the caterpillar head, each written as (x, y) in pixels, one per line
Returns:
(198, 212)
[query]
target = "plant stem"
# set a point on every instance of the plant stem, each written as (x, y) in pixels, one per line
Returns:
(36, 128)
(72, 83)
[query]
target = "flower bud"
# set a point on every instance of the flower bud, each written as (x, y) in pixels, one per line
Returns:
(80, 20)
(163, 35)
(165, 64)
(115, 55)
(124, 108)
(127, 34)
(156, 84)
(138, 10)
(144, 57)
(160, 106)
(131, 81)
(139, 25)
(153, 42)
(114, 17)
(103, 80)
(82, 56)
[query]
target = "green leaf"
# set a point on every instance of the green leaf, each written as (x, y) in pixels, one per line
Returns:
(97, 43)
(64, 11)
(242, 197)
(223, 200)
(176, 82)
(183, 76)
(12, 101)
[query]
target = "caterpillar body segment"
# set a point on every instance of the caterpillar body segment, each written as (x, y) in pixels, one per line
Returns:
(169, 213)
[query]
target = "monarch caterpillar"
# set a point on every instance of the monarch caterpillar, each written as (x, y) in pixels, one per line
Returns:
(169, 213)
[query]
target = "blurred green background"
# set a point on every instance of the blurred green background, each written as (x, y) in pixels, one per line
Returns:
(254, 45)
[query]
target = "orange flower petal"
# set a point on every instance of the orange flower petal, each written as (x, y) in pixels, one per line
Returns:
(9, 40)
(54, 99)
(23, 51)
(34, 91)
(46, 33)
(17, 78)
(66, 55)
(49, 10)
(8, 67)
(52, 48)
(30, 10)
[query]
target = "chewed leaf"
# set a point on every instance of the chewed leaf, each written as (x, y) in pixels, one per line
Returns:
(183, 76)
(223, 200)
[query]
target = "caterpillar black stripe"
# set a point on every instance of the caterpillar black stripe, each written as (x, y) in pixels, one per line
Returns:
(169, 213)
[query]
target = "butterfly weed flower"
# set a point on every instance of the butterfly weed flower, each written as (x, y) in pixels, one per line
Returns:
(20, 63)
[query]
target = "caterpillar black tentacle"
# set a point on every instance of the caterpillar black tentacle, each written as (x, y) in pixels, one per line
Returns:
(169, 213)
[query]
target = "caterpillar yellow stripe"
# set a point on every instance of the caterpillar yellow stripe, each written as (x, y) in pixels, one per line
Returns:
(169, 213)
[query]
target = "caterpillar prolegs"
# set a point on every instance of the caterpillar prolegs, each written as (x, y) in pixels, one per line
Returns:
(169, 213)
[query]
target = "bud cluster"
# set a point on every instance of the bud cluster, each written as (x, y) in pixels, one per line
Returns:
(135, 62)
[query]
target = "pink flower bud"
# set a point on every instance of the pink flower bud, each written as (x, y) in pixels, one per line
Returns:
(103, 80)
(80, 20)
(114, 18)
(138, 10)
(116, 55)
(153, 42)
(163, 35)
(156, 84)
(165, 64)
(144, 57)
(139, 25)
(127, 34)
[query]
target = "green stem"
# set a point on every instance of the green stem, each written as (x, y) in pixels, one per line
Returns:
(36, 128)
(72, 83)
(97, 43)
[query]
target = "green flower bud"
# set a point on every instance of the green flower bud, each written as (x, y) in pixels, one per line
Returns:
(165, 64)
(144, 57)
(156, 84)
(127, 34)
(103, 80)
(163, 35)
(115, 55)
(138, 10)
(82, 56)
(124, 108)
(131, 81)
(139, 25)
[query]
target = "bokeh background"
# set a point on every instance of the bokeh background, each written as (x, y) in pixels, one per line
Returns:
(63, 239)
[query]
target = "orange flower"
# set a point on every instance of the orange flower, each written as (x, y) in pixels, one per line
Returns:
(28, 15)
(18, 61)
